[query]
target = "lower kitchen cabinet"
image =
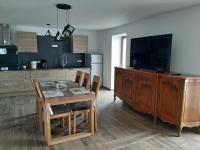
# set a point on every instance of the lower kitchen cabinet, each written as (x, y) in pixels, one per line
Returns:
(14, 81)
(19, 82)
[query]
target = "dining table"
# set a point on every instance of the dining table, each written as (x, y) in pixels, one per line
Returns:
(57, 93)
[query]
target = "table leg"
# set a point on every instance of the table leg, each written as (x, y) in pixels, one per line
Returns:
(92, 116)
(47, 126)
(69, 123)
(74, 123)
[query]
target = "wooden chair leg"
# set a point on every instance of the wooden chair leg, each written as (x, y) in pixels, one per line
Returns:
(89, 124)
(69, 124)
(62, 122)
(95, 120)
(41, 124)
(74, 123)
(40, 118)
(86, 116)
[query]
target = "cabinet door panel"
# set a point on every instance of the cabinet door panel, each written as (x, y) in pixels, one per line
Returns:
(80, 44)
(170, 99)
(118, 82)
(192, 102)
(27, 41)
(129, 86)
(146, 92)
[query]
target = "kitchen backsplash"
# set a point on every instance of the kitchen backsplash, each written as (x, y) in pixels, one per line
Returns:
(53, 55)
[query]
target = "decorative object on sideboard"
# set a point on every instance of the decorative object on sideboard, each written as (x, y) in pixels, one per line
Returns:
(48, 33)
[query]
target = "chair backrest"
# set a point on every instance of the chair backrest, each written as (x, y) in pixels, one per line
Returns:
(33, 84)
(79, 77)
(36, 88)
(86, 80)
(96, 84)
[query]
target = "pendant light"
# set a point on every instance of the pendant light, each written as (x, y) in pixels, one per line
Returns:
(48, 33)
(58, 36)
(68, 29)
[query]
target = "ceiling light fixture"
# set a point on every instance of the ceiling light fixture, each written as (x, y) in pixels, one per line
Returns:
(68, 29)
(48, 33)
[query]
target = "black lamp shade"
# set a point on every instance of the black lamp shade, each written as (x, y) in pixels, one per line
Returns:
(48, 33)
(58, 36)
(68, 31)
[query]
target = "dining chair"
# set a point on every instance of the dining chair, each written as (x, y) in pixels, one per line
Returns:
(86, 80)
(79, 77)
(39, 108)
(84, 107)
(57, 111)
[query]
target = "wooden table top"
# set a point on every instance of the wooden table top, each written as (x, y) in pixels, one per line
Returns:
(68, 96)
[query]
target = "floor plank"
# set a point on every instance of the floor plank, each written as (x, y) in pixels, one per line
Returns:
(119, 128)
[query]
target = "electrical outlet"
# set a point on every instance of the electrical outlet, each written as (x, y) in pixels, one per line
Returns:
(79, 61)
(4, 68)
(54, 45)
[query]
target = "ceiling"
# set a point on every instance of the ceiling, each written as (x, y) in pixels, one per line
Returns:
(86, 14)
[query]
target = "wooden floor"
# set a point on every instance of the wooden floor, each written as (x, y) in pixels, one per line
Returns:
(119, 128)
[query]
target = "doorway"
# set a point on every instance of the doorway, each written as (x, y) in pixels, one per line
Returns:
(118, 57)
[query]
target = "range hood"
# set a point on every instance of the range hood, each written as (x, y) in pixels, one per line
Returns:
(5, 35)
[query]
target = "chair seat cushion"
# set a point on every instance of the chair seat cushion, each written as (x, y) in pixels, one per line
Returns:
(80, 106)
(59, 109)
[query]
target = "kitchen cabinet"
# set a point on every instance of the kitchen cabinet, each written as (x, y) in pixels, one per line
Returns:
(19, 82)
(80, 44)
(27, 42)
(58, 74)
(14, 81)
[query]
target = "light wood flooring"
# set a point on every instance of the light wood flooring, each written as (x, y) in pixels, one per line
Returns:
(119, 128)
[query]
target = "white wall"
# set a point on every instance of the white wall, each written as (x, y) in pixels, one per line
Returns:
(183, 24)
(92, 34)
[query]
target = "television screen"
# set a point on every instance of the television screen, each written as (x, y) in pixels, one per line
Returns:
(151, 52)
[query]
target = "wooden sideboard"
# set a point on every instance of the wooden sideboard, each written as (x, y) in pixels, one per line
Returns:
(172, 98)
(14, 83)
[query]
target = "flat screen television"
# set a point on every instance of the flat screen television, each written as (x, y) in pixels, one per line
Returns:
(151, 52)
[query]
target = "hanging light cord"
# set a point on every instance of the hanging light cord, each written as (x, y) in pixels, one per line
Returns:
(57, 19)
(67, 17)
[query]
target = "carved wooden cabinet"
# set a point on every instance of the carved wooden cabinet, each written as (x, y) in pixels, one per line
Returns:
(173, 99)
(179, 101)
(146, 92)
(170, 95)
